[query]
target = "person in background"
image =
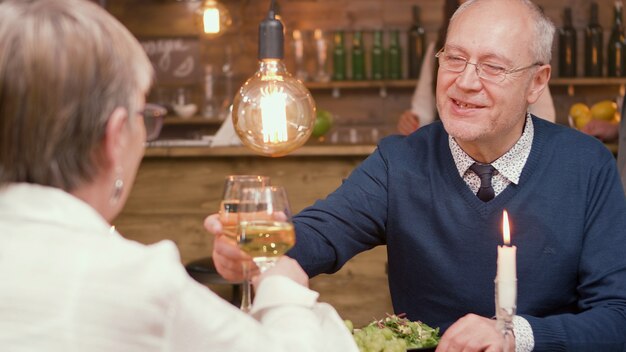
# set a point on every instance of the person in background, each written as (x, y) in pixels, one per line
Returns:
(621, 145)
(604, 130)
(607, 131)
(72, 86)
(422, 196)
(423, 110)
(621, 151)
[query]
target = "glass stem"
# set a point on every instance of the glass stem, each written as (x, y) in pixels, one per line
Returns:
(246, 299)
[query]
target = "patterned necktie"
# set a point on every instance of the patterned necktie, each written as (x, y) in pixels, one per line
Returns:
(485, 172)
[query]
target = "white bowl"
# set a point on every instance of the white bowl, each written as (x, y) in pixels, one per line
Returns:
(185, 111)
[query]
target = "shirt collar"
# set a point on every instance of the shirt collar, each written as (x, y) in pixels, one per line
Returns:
(35, 203)
(509, 165)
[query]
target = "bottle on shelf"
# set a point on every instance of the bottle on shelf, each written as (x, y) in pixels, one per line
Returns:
(594, 48)
(567, 46)
(321, 74)
(339, 57)
(395, 56)
(416, 44)
(358, 56)
(617, 47)
(298, 51)
(210, 110)
(377, 56)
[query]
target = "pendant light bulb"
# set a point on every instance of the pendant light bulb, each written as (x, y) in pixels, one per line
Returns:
(273, 112)
(213, 18)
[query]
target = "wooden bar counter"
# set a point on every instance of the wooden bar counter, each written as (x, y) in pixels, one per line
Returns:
(177, 187)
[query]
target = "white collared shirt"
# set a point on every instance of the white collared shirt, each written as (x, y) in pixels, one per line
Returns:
(508, 167)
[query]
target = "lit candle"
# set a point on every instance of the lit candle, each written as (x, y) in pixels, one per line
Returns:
(506, 277)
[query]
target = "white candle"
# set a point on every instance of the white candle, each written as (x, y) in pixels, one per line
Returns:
(506, 277)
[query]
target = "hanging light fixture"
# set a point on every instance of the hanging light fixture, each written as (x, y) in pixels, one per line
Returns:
(213, 18)
(273, 113)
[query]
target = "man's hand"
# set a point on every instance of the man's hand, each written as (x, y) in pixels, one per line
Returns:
(227, 256)
(474, 333)
(408, 123)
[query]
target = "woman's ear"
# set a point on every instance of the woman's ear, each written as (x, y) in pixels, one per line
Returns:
(539, 83)
(114, 138)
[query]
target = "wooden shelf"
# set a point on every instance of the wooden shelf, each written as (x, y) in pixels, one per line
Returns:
(410, 83)
(600, 81)
(330, 150)
(194, 120)
(366, 84)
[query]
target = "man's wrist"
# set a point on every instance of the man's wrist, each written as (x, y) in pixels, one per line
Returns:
(524, 339)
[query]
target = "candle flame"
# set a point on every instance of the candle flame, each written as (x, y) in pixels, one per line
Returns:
(506, 233)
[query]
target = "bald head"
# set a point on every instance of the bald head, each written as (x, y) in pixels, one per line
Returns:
(525, 12)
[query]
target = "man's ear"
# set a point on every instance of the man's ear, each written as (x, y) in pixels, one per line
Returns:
(539, 83)
(113, 143)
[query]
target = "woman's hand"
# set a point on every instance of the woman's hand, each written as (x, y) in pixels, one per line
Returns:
(287, 267)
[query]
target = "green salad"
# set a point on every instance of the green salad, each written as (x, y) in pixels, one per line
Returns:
(394, 333)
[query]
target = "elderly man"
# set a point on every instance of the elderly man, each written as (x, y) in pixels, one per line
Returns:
(436, 198)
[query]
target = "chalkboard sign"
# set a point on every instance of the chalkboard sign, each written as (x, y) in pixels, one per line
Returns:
(176, 60)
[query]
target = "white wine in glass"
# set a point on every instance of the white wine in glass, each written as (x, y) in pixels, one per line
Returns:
(266, 241)
(265, 230)
(229, 217)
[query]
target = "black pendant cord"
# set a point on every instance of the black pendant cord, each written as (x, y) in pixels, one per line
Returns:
(272, 11)
(271, 36)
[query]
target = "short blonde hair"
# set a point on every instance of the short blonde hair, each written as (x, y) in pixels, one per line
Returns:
(65, 66)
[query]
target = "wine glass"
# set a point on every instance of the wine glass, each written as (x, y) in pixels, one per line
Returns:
(233, 185)
(229, 217)
(265, 230)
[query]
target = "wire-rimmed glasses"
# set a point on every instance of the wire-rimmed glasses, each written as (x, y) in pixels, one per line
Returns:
(487, 71)
(153, 115)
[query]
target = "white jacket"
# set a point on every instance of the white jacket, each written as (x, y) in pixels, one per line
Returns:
(70, 283)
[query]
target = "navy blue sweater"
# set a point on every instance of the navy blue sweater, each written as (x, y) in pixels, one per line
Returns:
(568, 221)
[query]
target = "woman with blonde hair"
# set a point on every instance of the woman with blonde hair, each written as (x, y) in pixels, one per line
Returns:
(73, 83)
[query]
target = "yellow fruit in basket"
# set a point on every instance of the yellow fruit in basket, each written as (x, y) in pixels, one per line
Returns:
(582, 120)
(604, 110)
(579, 110)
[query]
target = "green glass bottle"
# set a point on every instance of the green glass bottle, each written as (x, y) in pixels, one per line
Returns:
(416, 44)
(395, 56)
(339, 57)
(358, 56)
(567, 46)
(377, 56)
(594, 59)
(616, 47)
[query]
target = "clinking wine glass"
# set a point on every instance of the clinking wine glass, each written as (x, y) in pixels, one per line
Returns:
(265, 230)
(233, 185)
(229, 217)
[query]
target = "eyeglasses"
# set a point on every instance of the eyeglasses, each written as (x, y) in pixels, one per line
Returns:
(153, 115)
(485, 70)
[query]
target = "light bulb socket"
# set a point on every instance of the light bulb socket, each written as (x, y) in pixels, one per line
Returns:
(271, 38)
